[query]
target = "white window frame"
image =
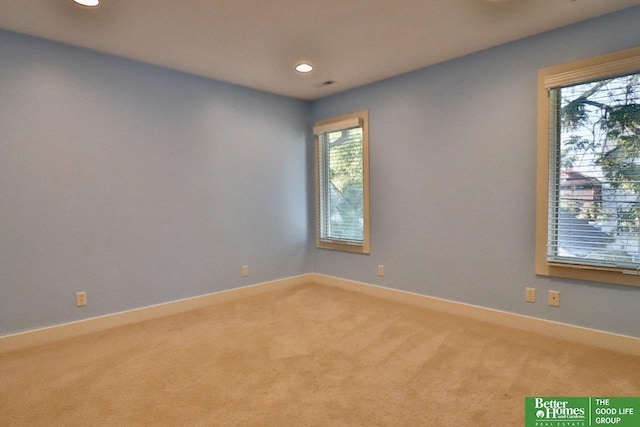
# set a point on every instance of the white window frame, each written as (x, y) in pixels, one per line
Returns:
(360, 118)
(583, 71)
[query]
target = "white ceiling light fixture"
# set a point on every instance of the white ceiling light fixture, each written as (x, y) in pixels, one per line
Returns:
(304, 68)
(87, 3)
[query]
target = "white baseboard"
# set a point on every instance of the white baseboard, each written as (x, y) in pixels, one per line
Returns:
(63, 331)
(577, 334)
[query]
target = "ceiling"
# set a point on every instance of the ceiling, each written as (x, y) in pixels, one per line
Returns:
(256, 43)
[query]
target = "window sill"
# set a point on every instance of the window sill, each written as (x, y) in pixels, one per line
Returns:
(610, 275)
(344, 247)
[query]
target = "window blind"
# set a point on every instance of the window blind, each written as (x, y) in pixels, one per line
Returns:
(341, 183)
(594, 182)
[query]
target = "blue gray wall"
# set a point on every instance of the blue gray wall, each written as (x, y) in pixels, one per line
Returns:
(453, 174)
(142, 185)
(139, 185)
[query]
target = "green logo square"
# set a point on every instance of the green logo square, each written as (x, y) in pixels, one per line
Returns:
(556, 412)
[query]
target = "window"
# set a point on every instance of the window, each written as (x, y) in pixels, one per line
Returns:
(342, 183)
(588, 206)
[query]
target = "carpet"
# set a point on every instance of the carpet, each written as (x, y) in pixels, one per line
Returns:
(310, 355)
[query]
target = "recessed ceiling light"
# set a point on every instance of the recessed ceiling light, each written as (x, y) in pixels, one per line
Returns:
(304, 67)
(88, 3)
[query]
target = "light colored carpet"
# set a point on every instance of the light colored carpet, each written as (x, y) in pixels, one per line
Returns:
(307, 356)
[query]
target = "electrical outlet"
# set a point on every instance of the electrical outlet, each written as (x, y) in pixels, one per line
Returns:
(81, 299)
(530, 294)
(381, 270)
(245, 270)
(554, 298)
